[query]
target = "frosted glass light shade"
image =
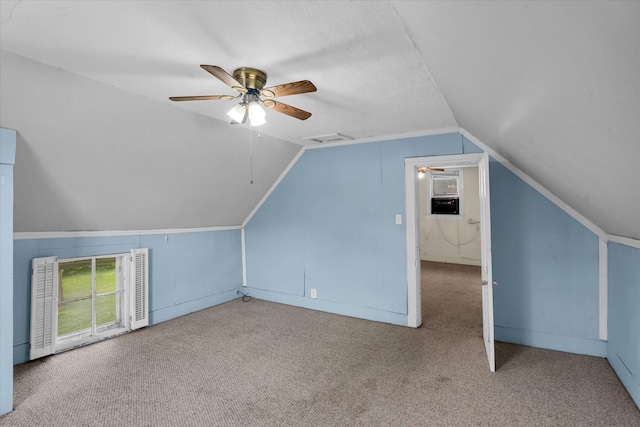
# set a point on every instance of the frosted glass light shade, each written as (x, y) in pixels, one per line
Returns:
(256, 114)
(237, 113)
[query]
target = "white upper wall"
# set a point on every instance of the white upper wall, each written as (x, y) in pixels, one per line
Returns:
(93, 157)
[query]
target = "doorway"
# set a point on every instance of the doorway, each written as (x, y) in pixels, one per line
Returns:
(414, 269)
(450, 250)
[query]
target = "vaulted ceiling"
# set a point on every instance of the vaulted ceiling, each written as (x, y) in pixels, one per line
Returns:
(554, 87)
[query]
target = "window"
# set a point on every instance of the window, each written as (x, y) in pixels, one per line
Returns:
(90, 296)
(445, 193)
(82, 300)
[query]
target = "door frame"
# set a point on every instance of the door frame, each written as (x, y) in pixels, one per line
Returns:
(480, 160)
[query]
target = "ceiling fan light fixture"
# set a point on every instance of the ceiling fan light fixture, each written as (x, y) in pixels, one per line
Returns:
(249, 82)
(256, 114)
(238, 113)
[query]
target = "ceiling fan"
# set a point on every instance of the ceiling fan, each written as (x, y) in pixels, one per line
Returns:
(422, 171)
(249, 82)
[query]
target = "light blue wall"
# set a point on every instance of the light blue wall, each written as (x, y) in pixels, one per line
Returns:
(7, 159)
(330, 226)
(187, 272)
(547, 267)
(623, 347)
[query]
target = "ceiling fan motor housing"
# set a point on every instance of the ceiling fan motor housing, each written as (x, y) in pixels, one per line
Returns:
(250, 78)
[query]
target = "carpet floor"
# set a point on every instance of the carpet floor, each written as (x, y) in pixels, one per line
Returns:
(259, 363)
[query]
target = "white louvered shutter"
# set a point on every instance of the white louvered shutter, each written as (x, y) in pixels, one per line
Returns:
(139, 288)
(44, 300)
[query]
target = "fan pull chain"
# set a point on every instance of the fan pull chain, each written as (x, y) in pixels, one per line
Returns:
(251, 152)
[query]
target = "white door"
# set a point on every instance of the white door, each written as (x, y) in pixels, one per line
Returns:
(413, 241)
(414, 308)
(487, 277)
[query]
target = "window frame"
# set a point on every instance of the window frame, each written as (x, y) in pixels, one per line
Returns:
(97, 332)
(44, 302)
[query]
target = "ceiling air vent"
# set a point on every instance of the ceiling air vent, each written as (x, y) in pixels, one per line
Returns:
(330, 137)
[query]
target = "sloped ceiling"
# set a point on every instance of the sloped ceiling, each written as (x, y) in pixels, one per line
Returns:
(552, 86)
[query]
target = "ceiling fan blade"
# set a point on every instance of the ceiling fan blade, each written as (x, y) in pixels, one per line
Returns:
(287, 109)
(201, 98)
(435, 169)
(293, 88)
(224, 77)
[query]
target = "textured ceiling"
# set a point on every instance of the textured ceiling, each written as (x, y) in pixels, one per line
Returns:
(552, 86)
(357, 54)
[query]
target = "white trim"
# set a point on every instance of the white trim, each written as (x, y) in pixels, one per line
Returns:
(63, 234)
(414, 312)
(244, 257)
(441, 131)
(603, 289)
(90, 257)
(455, 160)
(75, 342)
(634, 243)
(539, 188)
(273, 186)
(488, 324)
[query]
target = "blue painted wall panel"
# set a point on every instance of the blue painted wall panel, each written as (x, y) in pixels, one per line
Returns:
(161, 271)
(330, 225)
(64, 243)
(394, 257)
(7, 147)
(207, 263)
(24, 251)
(546, 264)
(344, 206)
(187, 272)
(275, 238)
(7, 159)
(623, 347)
(470, 147)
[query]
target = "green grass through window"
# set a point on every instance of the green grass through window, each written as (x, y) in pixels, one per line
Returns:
(75, 283)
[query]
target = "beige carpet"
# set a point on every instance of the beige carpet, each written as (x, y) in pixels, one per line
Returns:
(264, 364)
(452, 298)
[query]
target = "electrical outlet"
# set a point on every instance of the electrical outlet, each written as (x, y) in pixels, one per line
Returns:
(314, 293)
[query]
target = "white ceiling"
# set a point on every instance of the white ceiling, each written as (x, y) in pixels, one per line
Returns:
(552, 86)
(357, 54)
